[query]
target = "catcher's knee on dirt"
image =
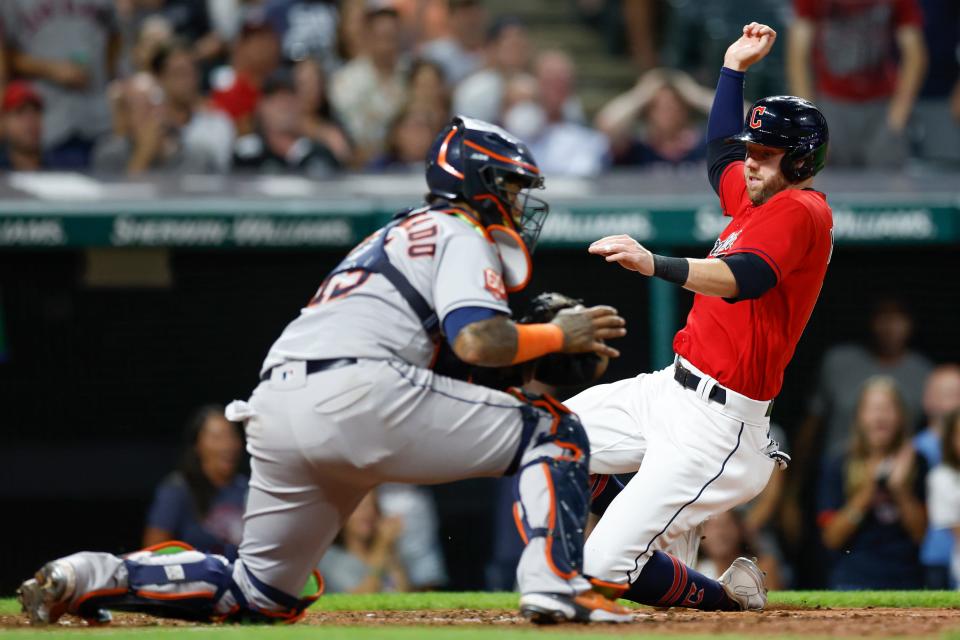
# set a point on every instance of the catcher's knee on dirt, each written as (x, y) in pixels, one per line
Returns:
(551, 491)
(174, 581)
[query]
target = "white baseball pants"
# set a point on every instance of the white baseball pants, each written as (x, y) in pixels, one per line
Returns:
(696, 458)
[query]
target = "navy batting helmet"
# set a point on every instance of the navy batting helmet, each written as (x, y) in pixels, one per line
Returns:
(475, 161)
(793, 124)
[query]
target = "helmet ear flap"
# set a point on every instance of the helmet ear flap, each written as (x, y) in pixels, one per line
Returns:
(797, 163)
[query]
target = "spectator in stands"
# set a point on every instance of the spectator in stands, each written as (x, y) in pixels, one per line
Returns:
(481, 95)
(370, 90)
(725, 538)
(662, 106)
(307, 29)
(462, 52)
(21, 120)
(201, 503)
(422, 20)
(69, 50)
(256, 54)
(549, 120)
(188, 19)
(154, 32)
(279, 143)
(428, 89)
(936, 116)
(318, 120)
(943, 496)
(408, 139)
(162, 124)
(872, 503)
(351, 35)
(206, 135)
(140, 141)
(418, 545)
(844, 369)
(941, 397)
(865, 86)
(364, 558)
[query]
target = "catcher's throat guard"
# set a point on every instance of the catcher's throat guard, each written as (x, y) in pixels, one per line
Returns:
(514, 256)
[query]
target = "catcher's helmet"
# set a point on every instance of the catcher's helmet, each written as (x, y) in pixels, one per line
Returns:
(793, 124)
(473, 161)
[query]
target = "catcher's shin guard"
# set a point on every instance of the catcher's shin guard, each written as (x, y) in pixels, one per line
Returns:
(552, 498)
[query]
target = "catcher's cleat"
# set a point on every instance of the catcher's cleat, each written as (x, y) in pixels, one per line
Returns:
(590, 606)
(744, 583)
(45, 596)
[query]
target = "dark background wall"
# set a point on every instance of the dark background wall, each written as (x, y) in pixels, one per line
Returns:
(98, 381)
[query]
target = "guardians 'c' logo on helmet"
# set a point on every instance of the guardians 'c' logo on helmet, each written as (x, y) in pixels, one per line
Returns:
(792, 124)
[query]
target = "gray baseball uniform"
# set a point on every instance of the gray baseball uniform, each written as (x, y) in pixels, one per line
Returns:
(347, 402)
(321, 442)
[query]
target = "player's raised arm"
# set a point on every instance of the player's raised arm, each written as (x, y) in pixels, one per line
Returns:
(499, 341)
(726, 115)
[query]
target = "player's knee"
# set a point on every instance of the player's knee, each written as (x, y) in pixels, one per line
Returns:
(611, 565)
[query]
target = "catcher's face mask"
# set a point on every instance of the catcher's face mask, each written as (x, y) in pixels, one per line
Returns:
(524, 211)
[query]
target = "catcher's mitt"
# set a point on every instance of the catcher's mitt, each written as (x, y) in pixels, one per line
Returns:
(561, 369)
(555, 369)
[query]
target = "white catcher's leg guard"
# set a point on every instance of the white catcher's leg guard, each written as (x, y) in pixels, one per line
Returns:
(552, 501)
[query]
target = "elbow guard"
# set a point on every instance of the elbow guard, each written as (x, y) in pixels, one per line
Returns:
(754, 276)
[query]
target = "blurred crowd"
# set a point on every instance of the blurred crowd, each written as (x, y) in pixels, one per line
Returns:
(321, 86)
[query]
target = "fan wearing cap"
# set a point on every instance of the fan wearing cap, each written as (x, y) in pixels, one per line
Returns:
(697, 432)
(22, 124)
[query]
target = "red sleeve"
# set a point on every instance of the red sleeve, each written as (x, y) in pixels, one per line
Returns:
(805, 9)
(783, 237)
(733, 189)
(908, 12)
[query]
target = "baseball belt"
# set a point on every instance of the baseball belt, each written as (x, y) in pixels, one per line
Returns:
(689, 380)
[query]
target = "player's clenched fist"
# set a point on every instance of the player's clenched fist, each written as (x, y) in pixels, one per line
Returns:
(626, 251)
(750, 48)
(585, 329)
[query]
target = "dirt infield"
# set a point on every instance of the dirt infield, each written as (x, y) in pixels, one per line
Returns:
(776, 621)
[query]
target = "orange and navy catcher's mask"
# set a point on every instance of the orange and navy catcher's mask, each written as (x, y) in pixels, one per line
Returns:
(473, 161)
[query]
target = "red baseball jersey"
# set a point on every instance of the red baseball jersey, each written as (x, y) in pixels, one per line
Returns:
(747, 344)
